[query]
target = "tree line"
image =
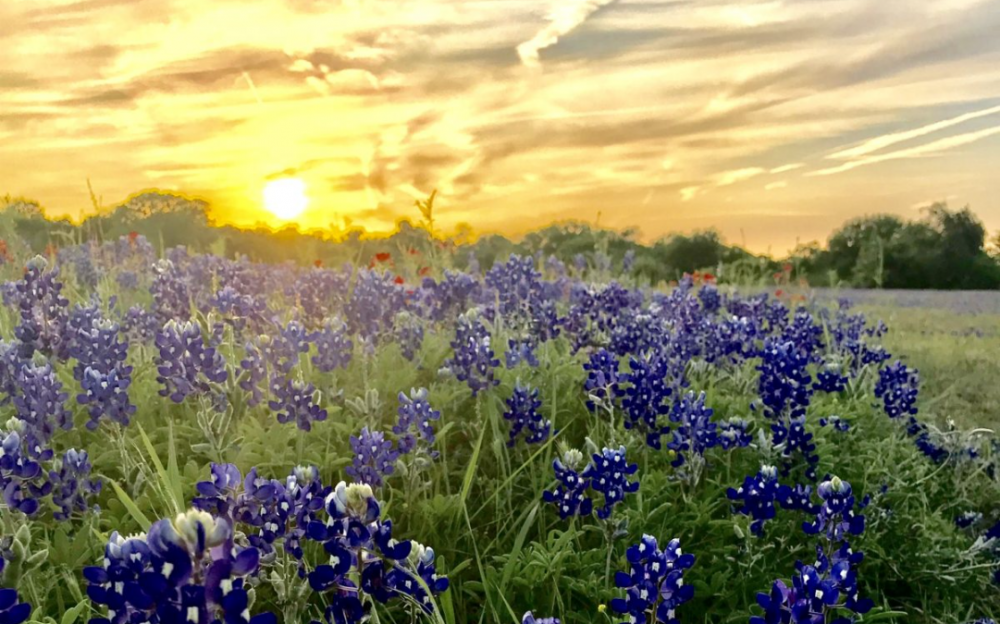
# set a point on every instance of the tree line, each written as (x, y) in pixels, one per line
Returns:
(944, 249)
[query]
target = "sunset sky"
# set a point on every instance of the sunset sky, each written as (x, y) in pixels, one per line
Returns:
(770, 121)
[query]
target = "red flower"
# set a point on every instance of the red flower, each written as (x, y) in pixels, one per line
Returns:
(778, 292)
(399, 279)
(424, 271)
(708, 277)
(413, 252)
(383, 256)
(317, 263)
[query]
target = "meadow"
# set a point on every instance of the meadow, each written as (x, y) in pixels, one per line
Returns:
(193, 438)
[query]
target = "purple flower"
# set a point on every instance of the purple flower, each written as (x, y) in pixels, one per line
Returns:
(473, 359)
(374, 457)
(608, 474)
(522, 412)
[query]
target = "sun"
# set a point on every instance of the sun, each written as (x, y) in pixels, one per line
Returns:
(286, 198)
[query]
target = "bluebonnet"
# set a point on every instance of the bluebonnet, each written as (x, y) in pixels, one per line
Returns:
(334, 347)
(373, 305)
(43, 311)
(72, 487)
(710, 299)
(254, 378)
(804, 333)
(898, 386)
(644, 398)
(654, 583)
(22, 481)
(175, 573)
(602, 377)
(296, 401)
(628, 261)
(473, 359)
(522, 412)
(529, 618)
(10, 367)
(793, 439)
(186, 364)
(694, 430)
(127, 280)
(41, 406)
(238, 309)
(570, 495)
(408, 333)
(171, 292)
(797, 498)
(374, 457)
(11, 610)
(813, 597)
(608, 474)
(784, 383)
(520, 350)
(414, 412)
(967, 519)
(835, 516)
(360, 543)
(317, 293)
(756, 497)
(139, 324)
(835, 421)
(829, 379)
(733, 433)
(103, 375)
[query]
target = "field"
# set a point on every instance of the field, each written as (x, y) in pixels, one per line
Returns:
(200, 439)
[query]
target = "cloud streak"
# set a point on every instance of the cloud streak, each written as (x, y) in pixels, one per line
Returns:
(563, 19)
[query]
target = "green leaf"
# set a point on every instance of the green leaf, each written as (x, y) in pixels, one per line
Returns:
(512, 559)
(176, 501)
(130, 505)
(73, 614)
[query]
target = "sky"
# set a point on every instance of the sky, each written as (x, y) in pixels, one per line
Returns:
(772, 121)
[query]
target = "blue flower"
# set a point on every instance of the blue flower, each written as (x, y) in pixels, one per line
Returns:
(530, 619)
(756, 497)
(522, 412)
(570, 495)
(898, 386)
(374, 457)
(72, 487)
(334, 347)
(473, 359)
(415, 412)
(12, 611)
(695, 430)
(644, 398)
(835, 516)
(296, 401)
(654, 583)
(608, 474)
(176, 573)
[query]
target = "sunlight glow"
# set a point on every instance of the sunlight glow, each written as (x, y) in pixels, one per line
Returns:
(286, 198)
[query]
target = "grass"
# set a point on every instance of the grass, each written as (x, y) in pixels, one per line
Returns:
(479, 504)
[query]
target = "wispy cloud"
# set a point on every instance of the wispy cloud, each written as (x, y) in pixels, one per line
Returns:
(879, 142)
(787, 168)
(927, 149)
(563, 19)
(664, 112)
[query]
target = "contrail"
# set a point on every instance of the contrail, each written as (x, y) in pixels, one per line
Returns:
(252, 87)
(562, 20)
(886, 140)
(913, 152)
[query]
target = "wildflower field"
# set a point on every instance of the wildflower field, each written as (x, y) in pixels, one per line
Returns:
(191, 438)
